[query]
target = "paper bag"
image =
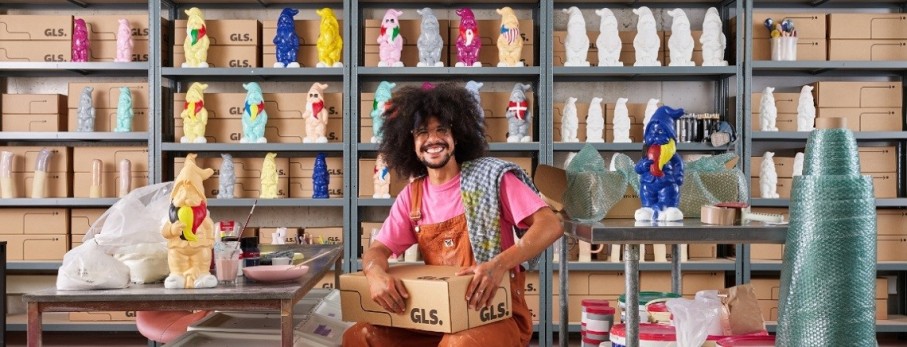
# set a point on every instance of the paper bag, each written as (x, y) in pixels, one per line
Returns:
(745, 315)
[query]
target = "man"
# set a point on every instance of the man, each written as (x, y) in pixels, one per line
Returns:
(466, 206)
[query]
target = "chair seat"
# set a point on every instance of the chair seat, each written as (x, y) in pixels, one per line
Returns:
(166, 326)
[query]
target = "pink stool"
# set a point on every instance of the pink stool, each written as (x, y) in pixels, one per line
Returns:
(165, 326)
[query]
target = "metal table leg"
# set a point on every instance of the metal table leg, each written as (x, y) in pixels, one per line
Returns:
(631, 266)
(676, 285)
(563, 333)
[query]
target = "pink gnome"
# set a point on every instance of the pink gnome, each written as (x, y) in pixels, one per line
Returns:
(390, 40)
(468, 41)
(79, 41)
(124, 42)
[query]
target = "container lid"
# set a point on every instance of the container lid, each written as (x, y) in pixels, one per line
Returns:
(593, 341)
(657, 307)
(754, 341)
(596, 302)
(645, 297)
(647, 332)
(600, 309)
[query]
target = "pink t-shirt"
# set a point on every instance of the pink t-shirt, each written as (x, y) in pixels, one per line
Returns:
(443, 202)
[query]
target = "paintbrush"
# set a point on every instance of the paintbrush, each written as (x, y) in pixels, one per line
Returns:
(246, 224)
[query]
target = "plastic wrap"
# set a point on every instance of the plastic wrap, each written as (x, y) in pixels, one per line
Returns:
(88, 267)
(136, 218)
(7, 190)
(591, 189)
(694, 318)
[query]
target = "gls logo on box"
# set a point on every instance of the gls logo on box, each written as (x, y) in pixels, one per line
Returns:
(240, 37)
(418, 315)
(488, 313)
(51, 57)
(58, 32)
(240, 63)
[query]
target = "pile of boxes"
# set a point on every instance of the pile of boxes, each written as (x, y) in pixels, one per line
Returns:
(33, 112)
(307, 30)
(33, 38)
(105, 98)
(233, 42)
(867, 106)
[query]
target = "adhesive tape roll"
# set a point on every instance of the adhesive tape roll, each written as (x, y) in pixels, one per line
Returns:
(711, 214)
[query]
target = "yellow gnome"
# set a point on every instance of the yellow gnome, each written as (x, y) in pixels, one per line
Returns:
(269, 177)
(195, 115)
(189, 230)
(510, 42)
(330, 43)
(195, 46)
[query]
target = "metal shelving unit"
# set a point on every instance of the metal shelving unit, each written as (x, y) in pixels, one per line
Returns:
(251, 147)
(73, 136)
(58, 202)
(289, 202)
(712, 265)
(636, 147)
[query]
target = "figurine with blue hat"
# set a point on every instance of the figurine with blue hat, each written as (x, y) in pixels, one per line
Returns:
(660, 169)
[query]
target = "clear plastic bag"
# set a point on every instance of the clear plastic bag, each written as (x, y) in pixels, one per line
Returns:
(136, 218)
(147, 262)
(88, 267)
(695, 318)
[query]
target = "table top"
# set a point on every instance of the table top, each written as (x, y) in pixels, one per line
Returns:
(628, 231)
(243, 290)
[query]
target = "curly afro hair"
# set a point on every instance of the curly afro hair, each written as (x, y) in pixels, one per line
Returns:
(412, 106)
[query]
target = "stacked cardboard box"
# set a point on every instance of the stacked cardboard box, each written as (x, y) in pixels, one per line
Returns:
(33, 112)
(285, 122)
(35, 234)
(23, 171)
(867, 36)
(80, 220)
(811, 34)
(892, 236)
(880, 163)
(324, 235)
(110, 175)
(308, 31)
(301, 184)
(366, 230)
(105, 98)
(867, 106)
(233, 42)
(784, 168)
(102, 32)
(489, 30)
(32, 38)
(768, 292)
(772, 252)
(247, 172)
(409, 30)
(786, 105)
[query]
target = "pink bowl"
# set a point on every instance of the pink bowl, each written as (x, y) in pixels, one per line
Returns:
(275, 273)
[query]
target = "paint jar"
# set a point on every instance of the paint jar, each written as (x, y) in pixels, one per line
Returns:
(590, 342)
(776, 49)
(644, 298)
(650, 335)
(658, 312)
(748, 341)
(597, 322)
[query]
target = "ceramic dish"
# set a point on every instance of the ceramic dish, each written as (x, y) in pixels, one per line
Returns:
(275, 273)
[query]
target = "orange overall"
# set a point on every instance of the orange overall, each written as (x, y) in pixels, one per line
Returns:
(447, 243)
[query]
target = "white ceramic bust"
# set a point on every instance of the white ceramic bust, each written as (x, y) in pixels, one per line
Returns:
(608, 41)
(713, 40)
(806, 110)
(681, 42)
(569, 122)
(646, 43)
(577, 42)
(798, 164)
(595, 122)
(651, 107)
(768, 178)
(621, 122)
(768, 112)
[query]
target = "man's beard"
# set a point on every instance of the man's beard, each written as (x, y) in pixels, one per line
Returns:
(438, 165)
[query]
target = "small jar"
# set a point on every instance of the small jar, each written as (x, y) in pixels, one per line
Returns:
(251, 255)
(599, 320)
(584, 304)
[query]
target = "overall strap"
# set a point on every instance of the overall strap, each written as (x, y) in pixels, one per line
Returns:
(415, 195)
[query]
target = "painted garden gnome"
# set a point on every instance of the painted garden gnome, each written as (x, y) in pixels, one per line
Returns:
(389, 40)
(124, 111)
(268, 177)
(660, 169)
(286, 41)
(195, 46)
(315, 115)
(320, 178)
(519, 116)
(382, 179)
(124, 42)
(194, 115)
(430, 41)
(80, 43)
(577, 41)
(510, 42)
(468, 41)
(226, 177)
(382, 96)
(189, 230)
(85, 112)
(254, 117)
(330, 42)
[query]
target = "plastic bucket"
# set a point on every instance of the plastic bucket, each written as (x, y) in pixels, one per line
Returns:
(644, 298)
(658, 312)
(650, 335)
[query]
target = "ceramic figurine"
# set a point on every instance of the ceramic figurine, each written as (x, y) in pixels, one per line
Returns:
(473, 88)
(42, 167)
(713, 40)
(577, 41)
(80, 43)
(124, 42)
(382, 179)
(279, 236)
(651, 107)
(798, 164)
(595, 122)
(7, 185)
(390, 41)
(518, 114)
(194, 115)
(768, 112)
(681, 42)
(768, 177)
(430, 41)
(124, 111)
(660, 169)
(382, 96)
(510, 42)
(125, 179)
(621, 122)
(569, 122)
(195, 46)
(268, 178)
(94, 189)
(315, 115)
(320, 178)
(226, 177)
(806, 110)
(189, 230)
(646, 43)
(330, 42)
(608, 41)
(286, 41)
(254, 117)
(468, 41)
(85, 112)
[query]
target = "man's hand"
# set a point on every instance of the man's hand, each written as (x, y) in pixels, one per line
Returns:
(485, 280)
(387, 291)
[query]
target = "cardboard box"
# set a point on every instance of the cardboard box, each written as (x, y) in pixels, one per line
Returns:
(56, 184)
(110, 183)
(223, 56)
(111, 157)
(769, 309)
(229, 130)
(36, 51)
(626, 207)
(783, 121)
(301, 184)
(37, 104)
(867, 26)
(34, 221)
(857, 94)
(327, 281)
(81, 219)
(878, 159)
(866, 119)
(107, 51)
(409, 55)
(424, 310)
(766, 288)
(367, 181)
(872, 50)
(890, 248)
(33, 122)
(31, 28)
(35, 247)
(496, 130)
(807, 49)
(891, 222)
(265, 236)
(107, 95)
(760, 251)
(106, 27)
(782, 188)
(308, 31)
(410, 29)
(106, 119)
(102, 316)
(331, 235)
(307, 56)
(696, 251)
(25, 158)
(768, 293)
(884, 184)
(224, 32)
(810, 25)
(784, 166)
(692, 281)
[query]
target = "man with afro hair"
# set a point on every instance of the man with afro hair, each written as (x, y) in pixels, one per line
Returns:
(480, 213)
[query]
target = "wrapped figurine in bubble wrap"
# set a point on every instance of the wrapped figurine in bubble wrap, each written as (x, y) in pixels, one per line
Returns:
(646, 43)
(389, 40)
(468, 41)
(660, 169)
(608, 41)
(195, 46)
(577, 41)
(519, 116)
(315, 115)
(124, 42)
(124, 111)
(254, 117)
(430, 41)
(85, 112)
(569, 121)
(330, 43)
(510, 42)
(194, 115)
(382, 96)
(80, 43)
(681, 42)
(286, 41)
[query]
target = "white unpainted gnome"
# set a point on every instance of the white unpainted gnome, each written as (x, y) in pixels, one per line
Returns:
(577, 42)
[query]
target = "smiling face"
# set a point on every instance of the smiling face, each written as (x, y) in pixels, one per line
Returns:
(434, 144)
